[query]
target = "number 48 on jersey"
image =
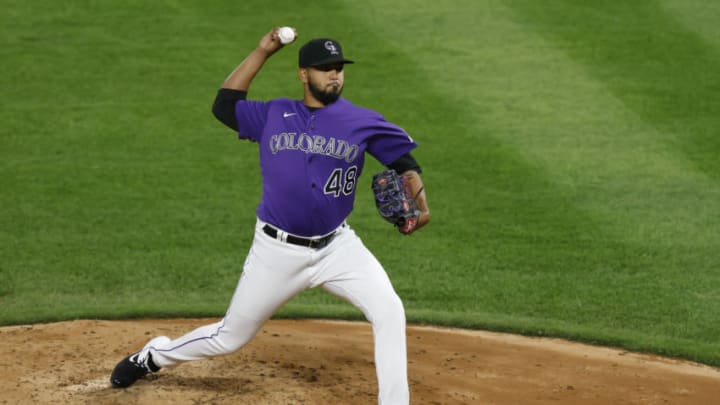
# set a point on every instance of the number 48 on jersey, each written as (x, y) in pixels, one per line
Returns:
(340, 182)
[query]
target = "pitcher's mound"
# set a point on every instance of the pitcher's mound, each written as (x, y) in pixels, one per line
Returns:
(329, 362)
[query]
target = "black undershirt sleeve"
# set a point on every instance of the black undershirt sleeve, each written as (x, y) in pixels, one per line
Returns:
(224, 106)
(404, 163)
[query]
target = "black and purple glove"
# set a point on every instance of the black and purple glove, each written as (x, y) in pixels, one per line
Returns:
(393, 201)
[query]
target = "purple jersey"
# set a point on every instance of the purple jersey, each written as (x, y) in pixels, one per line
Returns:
(311, 160)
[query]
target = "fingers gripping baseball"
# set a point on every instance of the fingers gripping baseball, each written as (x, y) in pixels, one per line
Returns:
(277, 38)
(286, 35)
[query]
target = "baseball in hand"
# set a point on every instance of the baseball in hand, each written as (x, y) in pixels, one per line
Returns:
(286, 35)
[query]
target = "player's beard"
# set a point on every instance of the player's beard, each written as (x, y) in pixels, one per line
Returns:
(325, 97)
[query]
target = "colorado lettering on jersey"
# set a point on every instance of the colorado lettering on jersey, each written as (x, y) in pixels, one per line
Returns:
(317, 144)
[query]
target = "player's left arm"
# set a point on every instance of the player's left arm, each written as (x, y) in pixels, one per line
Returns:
(407, 167)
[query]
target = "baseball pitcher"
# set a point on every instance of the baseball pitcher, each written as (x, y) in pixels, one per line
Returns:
(312, 153)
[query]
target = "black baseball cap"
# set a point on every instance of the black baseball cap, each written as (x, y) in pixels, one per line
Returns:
(321, 51)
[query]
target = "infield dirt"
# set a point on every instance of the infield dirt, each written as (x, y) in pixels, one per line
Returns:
(329, 362)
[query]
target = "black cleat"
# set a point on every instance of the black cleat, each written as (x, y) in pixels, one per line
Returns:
(135, 366)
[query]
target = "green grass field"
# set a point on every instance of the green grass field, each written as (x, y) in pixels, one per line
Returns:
(570, 153)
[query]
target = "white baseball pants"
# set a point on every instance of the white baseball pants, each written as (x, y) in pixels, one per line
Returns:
(274, 272)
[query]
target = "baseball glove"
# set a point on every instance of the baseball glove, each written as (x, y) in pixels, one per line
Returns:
(394, 201)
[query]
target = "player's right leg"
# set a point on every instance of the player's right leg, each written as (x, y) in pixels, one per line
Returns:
(272, 275)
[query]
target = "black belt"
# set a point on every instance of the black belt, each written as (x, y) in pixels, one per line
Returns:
(318, 243)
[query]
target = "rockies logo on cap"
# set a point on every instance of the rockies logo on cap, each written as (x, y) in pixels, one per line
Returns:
(321, 51)
(330, 46)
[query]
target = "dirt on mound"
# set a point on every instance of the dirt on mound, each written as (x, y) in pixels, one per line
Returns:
(329, 362)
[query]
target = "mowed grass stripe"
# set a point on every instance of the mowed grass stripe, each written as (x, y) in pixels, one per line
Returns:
(665, 196)
(618, 166)
(698, 16)
(660, 69)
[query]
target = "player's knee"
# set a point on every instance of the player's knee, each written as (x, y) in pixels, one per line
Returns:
(236, 334)
(230, 343)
